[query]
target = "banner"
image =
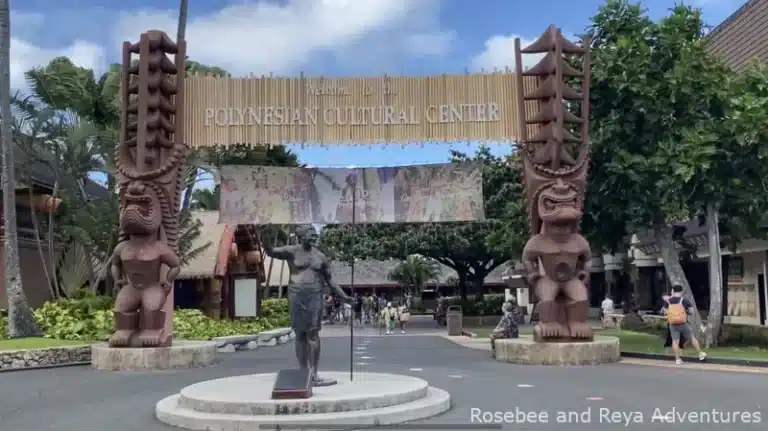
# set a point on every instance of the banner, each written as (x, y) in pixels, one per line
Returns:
(220, 110)
(408, 194)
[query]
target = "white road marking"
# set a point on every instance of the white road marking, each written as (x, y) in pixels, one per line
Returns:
(361, 364)
(524, 386)
(416, 369)
(595, 398)
(456, 376)
(366, 357)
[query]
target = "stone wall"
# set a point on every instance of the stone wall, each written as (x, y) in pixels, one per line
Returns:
(18, 359)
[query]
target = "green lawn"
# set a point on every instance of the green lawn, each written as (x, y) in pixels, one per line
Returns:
(648, 343)
(36, 343)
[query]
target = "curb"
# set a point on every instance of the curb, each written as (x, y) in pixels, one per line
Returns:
(46, 367)
(716, 361)
(468, 334)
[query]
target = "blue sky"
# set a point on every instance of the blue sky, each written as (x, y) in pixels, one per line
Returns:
(318, 37)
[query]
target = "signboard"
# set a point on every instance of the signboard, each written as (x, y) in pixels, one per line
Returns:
(277, 195)
(278, 111)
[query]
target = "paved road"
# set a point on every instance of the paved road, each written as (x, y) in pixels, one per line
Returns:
(79, 399)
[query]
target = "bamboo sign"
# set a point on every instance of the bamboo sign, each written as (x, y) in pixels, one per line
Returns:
(278, 111)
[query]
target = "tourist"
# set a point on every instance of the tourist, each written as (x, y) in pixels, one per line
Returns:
(404, 315)
(677, 310)
(389, 315)
(329, 308)
(507, 327)
(368, 308)
(607, 307)
(357, 309)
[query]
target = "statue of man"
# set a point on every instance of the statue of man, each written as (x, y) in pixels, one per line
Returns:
(310, 273)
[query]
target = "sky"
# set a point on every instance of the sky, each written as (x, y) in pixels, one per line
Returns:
(317, 37)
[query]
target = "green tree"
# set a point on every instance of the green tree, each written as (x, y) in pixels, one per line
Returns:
(414, 272)
(206, 199)
(21, 322)
(473, 250)
(653, 86)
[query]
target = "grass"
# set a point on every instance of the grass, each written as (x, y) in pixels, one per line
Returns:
(648, 343)
(36, 343)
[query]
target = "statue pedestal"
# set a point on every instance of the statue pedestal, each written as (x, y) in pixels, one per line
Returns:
(182, 354)
(245, 403)
(524, 350)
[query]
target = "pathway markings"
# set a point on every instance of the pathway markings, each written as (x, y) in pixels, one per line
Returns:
(416, 369)
(595, 398)
(524, 386)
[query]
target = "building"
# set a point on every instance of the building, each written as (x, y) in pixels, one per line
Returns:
(226, 278)
(34, 190)
(743, 36)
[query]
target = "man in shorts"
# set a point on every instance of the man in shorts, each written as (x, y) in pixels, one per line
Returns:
(677, 309)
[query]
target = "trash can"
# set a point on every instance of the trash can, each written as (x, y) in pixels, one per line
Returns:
(453, 318)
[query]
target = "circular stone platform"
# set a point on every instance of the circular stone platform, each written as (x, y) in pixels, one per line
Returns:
(524, 350)
(244, 403)
(182, 354)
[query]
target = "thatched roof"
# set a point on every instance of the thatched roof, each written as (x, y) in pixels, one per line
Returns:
(376, 273)
(211, 232)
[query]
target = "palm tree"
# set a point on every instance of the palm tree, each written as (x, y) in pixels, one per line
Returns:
(414, 272)
(21, 322)
(206, 199)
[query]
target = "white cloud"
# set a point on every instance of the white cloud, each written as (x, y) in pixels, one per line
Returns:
(26, 55)
(499, 52)
(264, 37)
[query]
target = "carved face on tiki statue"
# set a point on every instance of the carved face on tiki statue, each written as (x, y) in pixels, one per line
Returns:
(141, 210)
(559, 209)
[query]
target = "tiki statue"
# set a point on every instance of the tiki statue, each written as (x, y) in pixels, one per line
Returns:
(555, 162)
(149, 159)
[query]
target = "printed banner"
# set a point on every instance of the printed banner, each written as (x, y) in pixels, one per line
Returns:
(408, 194)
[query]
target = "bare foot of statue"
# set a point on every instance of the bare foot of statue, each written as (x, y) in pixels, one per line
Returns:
(121, 338)
(550, 330)
(580, 330)
(150, 337)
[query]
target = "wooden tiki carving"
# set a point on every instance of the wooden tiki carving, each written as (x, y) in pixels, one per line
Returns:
(150, 160)
(555, 162)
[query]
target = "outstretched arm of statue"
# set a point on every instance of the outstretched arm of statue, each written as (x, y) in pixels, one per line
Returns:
(117, 266)
(170, 259)
(283, 253)
(332, 283)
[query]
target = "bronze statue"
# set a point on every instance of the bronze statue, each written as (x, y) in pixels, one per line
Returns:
(310, 274)
(149, 159)
(555, 163)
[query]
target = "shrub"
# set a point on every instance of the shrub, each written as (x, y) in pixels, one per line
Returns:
(89, 318)
(633, 322)
(3, 327)
(745, 335)
(489, 306)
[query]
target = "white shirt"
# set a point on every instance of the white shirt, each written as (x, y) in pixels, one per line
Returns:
(607, 305)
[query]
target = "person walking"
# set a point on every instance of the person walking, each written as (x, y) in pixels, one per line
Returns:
(357, 309)
(389, 315)
(677, 309)
(404, 315)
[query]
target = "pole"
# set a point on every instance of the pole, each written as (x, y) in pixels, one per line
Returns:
(351, 291)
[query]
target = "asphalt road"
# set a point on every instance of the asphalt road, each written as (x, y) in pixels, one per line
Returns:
(79, 399)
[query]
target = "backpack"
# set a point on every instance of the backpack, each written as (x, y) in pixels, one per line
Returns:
(676, 314)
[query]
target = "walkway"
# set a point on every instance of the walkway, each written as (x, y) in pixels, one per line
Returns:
(79, 399)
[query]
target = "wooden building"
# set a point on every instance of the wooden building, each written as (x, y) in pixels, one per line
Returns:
(225, 279)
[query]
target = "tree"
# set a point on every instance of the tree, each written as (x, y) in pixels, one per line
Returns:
(21, 322)
(206, 199)
(653, 84)
(414, 272)
(473, 250)
(738, 164)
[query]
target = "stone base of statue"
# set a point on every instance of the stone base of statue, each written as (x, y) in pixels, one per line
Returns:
(181, 354)
(244, 403)
(524, 350)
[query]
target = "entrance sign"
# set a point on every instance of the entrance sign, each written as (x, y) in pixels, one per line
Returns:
(277, 195)
(278, 111)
